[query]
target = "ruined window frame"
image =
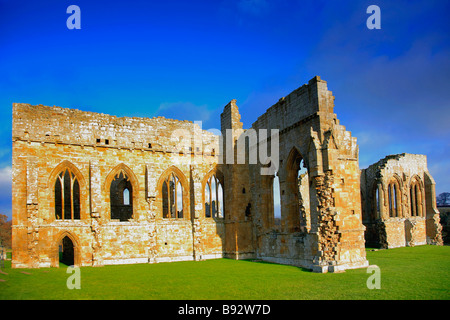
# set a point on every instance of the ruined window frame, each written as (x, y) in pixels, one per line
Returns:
(215, 211)
(394, 198)
(375, 212)
(173, 195)
(71, 184)
(416, 197)
(291, 218)
(134, 192)
(275, 179)
(120, 197)
(214, 173)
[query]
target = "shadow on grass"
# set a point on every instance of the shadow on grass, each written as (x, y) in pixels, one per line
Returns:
(276, 264)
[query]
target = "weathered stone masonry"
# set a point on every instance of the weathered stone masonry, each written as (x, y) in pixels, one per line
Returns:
(96, 148)
(399, 207)
(112, 190)
(332, 237)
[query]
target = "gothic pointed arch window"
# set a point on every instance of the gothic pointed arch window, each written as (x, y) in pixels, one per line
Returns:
(121, 196)
(276, 201)
(213, 198)
(394, 198)
(67, 196)
(415, 196)
(376, 201)
(295, 194)
(172, 197)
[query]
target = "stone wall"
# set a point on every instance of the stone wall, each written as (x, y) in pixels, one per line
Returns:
(48, 140)
(63, 157)
(331, 236)
(407, 216)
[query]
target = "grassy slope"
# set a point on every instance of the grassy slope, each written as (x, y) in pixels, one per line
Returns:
(406, 273)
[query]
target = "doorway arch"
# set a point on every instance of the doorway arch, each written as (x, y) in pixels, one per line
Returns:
(66, 250)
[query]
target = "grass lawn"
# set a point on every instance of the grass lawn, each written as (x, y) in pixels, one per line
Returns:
(406, 273)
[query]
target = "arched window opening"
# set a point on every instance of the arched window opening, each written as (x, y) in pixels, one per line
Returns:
(415, 198)
(394, 198)
(303, 195)
(121, 199)
(67, 196)
(276, 201)
(375, 202)
(207, 201)
(391, 209)
(172, 197)
(213, 198)
(165, 195)
(179, 198)
(296, 198)
(419, 200)
(220, 201)
(395, 201)
(412, 196)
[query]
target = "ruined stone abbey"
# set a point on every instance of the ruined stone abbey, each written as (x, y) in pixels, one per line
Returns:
(93, 189)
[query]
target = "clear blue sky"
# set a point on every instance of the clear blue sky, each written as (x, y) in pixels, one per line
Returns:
(187, 59)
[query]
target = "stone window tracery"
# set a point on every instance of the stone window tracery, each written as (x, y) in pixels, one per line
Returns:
(213, 198)
(172, 194)
(394, 198)
(121, 201)
(415, 198)
(67, 196)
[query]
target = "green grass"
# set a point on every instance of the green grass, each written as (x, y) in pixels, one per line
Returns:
(406, 273)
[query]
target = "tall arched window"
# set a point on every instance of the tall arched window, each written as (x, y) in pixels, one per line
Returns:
(276, 200)
(67, 196)
(121, 199)
(172, 194)
(295, 194)
(415, 196)
(394, 198)
(213, 198)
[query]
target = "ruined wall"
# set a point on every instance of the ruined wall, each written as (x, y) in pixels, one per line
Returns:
(390, 219)
(239, 243)
(96, 147)
(332, 237)
(325, 198)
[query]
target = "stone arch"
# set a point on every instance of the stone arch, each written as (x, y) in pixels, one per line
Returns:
(375, 200)
(296, 204)
(394, 196)
(83, 192)
(294, 154)
(185, 191)
(220, 177)
(416, 196)
(76, 248)
(123, 173)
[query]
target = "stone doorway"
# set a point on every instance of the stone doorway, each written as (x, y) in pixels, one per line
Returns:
(66, 252)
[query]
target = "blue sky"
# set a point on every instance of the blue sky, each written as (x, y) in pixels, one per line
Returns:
(188, 59)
